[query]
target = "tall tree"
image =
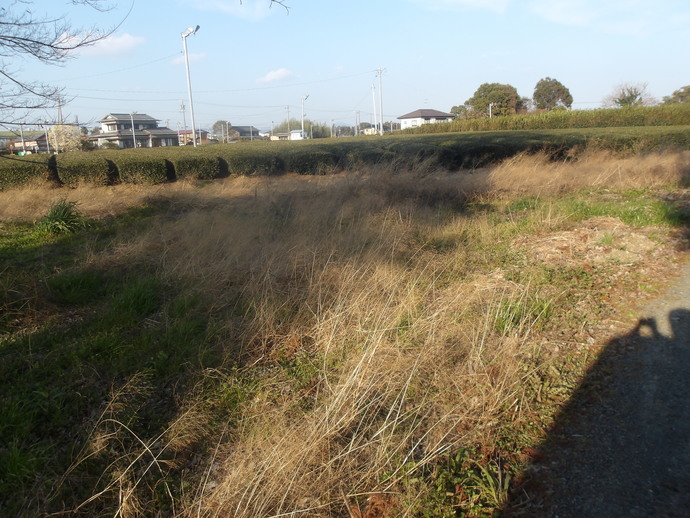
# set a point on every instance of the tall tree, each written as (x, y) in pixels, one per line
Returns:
(682, 95)
(504, 99)
(460, 111)
(220, 128)
(550, 93)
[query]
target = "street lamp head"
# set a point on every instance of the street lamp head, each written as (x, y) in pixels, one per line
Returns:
(191, 30)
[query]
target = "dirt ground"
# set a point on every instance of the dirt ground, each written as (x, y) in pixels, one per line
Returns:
(621, 446)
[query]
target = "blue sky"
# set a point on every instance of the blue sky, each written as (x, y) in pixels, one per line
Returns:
(249, 62)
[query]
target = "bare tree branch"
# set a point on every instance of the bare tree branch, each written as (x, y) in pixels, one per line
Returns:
(51, 40)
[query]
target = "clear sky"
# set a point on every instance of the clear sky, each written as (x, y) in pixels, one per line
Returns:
(248, 62)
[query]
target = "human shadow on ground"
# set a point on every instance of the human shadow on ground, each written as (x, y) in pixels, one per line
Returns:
(621, 446)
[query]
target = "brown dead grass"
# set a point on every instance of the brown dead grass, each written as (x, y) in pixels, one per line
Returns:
(537, 174)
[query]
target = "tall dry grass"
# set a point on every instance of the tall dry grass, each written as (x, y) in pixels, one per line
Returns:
(363, 308)
(590, 169)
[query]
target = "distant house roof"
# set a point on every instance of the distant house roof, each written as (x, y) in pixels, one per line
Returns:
(425, 113)
(245, 130)
(128, 117)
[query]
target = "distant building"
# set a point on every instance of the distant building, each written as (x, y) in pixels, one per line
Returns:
(293, 135)
(298, 135)
(185, 137)
(420, 117)
(133, 130)
(34, 141)
(246, 132)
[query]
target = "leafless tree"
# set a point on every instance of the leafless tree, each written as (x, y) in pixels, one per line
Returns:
(25, 34)
(629, 94)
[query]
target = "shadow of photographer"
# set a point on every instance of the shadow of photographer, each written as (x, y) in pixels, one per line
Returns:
(621, 445)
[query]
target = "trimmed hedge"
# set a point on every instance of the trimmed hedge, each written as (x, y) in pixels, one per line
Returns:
(255, 165)
(81, 167)
(196, 167)
(143, 168)
(16, 171)
(308, 161)
(451, 151)
(662, 115)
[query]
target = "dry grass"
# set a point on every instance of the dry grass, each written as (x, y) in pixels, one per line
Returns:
(536, 175)
(377, 294)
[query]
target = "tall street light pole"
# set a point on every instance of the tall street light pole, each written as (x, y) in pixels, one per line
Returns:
(191, 30)
(304, 98)
(380, 73)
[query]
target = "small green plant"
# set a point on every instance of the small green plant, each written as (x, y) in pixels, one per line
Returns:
(62, 218)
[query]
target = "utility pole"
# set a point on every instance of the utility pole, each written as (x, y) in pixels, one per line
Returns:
(380, 73)
(373, 97)
(304, 98)
(491, 105)
(21, 132)
(184, 121)
(59, 110)
(288, 117)
(45, 127)
(185, 34)
(134, 137)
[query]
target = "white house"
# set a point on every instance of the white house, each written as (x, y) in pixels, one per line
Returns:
(122, 128)
(419, 117)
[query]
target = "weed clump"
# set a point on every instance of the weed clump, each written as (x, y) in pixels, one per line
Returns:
(62, 218)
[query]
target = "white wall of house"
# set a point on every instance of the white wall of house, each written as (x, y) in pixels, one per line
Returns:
(418, 121)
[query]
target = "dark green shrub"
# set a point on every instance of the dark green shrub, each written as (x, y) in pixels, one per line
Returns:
(364, 156)
(17, 171)
(196, 167)
(78, 167)
(307, 161)
(245, 164)
(141, 168)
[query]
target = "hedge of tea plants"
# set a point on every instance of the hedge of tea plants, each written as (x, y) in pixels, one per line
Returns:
(450, 151)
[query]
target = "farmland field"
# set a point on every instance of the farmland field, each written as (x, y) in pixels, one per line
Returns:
(377, 326)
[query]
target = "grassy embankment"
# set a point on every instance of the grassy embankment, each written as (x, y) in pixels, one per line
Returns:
(391, 342)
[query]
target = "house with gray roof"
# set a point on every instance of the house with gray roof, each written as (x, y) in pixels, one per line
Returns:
(423, 116)
(128, 130)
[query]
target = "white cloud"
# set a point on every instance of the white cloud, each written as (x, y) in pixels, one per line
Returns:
(275, 75)
(113, 46)
(498, 6)
(246, 9)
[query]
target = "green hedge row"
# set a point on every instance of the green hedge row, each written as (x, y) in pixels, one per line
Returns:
(451, 151)
(662, 115)
(16, 171)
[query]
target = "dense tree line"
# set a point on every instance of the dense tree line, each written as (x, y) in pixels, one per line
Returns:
(496, 99)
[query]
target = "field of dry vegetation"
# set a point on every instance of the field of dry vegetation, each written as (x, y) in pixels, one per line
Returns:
(368, 344)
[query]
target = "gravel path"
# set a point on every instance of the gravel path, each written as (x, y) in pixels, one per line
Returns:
(621, 447)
